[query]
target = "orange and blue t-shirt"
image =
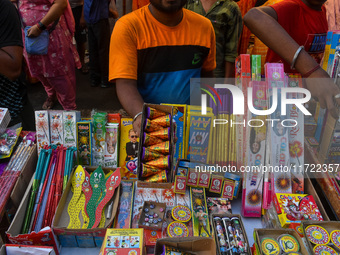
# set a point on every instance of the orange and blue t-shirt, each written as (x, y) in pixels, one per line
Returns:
(162, 59)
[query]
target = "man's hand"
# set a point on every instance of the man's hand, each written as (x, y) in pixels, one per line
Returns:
(137, 125)
(131, 100)
(323, 88)
(34, 31)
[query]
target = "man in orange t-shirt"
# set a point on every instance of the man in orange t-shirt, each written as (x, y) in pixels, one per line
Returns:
(154, 53)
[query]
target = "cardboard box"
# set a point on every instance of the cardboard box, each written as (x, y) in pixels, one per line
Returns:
(329, 226)
(215, 234)
(27, 249)
(127, 163)
(167, 109)
(44, 237)
(24, 179)
(85, 238)
(275, 233)
(123, 242)
(199, 245)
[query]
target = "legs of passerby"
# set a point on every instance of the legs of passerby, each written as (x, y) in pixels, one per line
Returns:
(62, 88)
(104, 46)
(99, 43)
(80, 37)
(94, 62)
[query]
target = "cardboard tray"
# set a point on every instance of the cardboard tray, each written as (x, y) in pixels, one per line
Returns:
(328, 225)
(85, 238)
(310, 190)
(199, 245)
(44, 237)
(24, 179)
(229, 216)
(167, 109)
(157, 209)
(275, 233)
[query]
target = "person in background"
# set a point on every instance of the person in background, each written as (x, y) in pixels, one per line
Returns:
(286, 26)
(13, 93)
(56, 70)
(226, 19)
(80, 31)
(96, 15)
(154, 53)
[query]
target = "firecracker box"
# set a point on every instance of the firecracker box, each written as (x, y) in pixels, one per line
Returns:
(128, 144)
(111, 149)
(179, 120)
(56, 127)
(45, 237)
(70, 119)
(243, 77)
(84, 238)
(240, 238)
(274, 234)
(5, 118)
(199, 136)
(325, 237)
(125, 207)
(198, 245)
(158, 177)
(123, 242)
(309, 189)
(310, 126)
(42, 129)
(84, 142)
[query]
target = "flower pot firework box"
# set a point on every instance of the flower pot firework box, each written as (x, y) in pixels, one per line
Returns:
(155, 153)
(322, 233)
(44, 237)
(78, 237)
(273, 235)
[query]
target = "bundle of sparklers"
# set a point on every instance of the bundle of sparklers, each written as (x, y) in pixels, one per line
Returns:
(14, 168)
(52, 173)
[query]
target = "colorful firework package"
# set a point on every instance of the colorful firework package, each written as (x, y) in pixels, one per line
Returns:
(218, 205)
(123, 242)
(200, 219)
(124, 214)
(323, 237)
(98, 137)
(70, 119)
(294, 208)
(42, 128)
(155, 156)
(111, 145)
(296, 138)
(278, 241)
(5, 118)
(256, 147)
(84, 142)
(56, 127)
(229, 233)
(128, 150)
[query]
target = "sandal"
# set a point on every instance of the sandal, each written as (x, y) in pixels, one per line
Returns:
(85, 69)
(49, 103)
